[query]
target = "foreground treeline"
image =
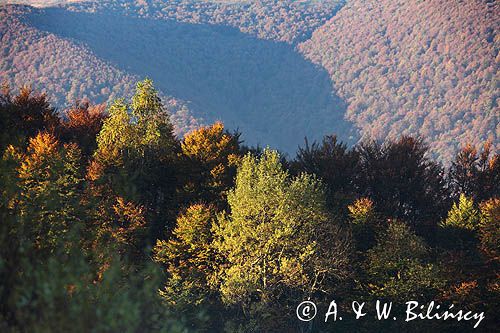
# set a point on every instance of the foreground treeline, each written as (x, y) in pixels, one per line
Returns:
(111, 223)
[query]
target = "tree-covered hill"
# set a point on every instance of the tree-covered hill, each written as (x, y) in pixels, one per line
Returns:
(415, 67)
(423, 68)
(263, 88)
(42, 3)
(65, 69)
(288, 21)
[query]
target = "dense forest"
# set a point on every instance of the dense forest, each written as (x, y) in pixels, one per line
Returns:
(46, 61)
(284, 20)
(384, 68)
(212, 72)
(426, 68)
(112, 223)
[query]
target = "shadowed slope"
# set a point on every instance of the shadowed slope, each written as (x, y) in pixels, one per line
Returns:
(264, 88)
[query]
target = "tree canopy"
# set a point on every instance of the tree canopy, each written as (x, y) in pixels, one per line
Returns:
(110, 222)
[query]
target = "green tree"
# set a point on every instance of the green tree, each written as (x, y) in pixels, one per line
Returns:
(42, 211)
(362, 212)
(458, 233)
(489, 227)
(463, 215)
(48, 282)
(136, 155)
(59, 293)
(135, 129)
(50, 190)
(398, 267)
(189, 258)
(279, 241)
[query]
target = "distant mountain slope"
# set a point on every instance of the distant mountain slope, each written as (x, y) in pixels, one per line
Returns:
(41, 3)
(266, 89)
(416, 67)
(288, 21)
(427, 68)
(65, 70)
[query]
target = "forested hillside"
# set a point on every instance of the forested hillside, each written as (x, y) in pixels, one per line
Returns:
(426, 68)
(415, 67)
(66, 70)
(280, 20)
(128, 206)
(41, 3)
(264, 88)
(31, 53)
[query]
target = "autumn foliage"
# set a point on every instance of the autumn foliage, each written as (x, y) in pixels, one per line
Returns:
(110, 222)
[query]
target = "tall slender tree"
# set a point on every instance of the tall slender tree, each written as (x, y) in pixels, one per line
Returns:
(137, 153)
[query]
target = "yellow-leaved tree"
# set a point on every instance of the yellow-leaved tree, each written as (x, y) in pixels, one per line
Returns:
(212, 154)
(279, 242)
